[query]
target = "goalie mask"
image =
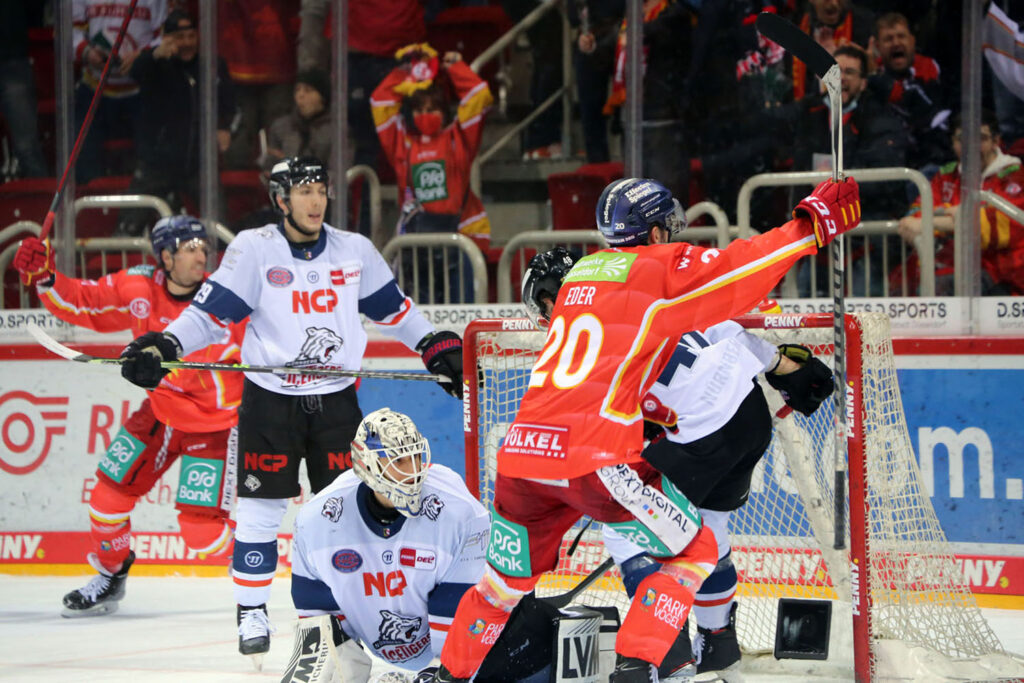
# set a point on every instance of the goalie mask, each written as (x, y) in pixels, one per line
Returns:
(391, 456)
(542, 279)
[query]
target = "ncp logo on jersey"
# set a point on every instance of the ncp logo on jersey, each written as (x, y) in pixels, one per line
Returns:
(28, 424)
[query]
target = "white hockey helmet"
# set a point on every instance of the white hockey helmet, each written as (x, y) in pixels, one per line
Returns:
(391, 456)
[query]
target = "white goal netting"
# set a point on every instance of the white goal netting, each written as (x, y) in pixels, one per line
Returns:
(896, 581)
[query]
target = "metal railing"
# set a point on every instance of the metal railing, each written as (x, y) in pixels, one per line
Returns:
(545, 239)
(123, 201)
(564, 92)
(416, 271)
(373, 187)
(925, 244)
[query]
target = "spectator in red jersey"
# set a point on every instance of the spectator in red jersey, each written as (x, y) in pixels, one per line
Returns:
(376, 28)
(910, 82)
(432, 154)
(257, 39)
(833, 23)
(1002, 239)
(96, 24)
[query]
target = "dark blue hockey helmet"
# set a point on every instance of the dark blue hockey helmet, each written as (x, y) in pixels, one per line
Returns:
(629, 208)
(173, 231)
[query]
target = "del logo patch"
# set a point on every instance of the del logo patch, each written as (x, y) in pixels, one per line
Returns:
(601, 267)
(346, 560)
(417, 559)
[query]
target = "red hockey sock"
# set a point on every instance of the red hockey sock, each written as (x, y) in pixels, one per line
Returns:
(659, 609)
(208, 535)
(474, 630)
(111, 527)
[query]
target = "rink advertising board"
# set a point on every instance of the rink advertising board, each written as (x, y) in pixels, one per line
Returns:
(961, 396)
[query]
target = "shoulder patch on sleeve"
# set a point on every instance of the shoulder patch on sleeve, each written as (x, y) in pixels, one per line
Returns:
(949, 167)
(1012, 168)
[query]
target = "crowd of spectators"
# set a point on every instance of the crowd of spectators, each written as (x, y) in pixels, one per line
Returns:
(720, 102)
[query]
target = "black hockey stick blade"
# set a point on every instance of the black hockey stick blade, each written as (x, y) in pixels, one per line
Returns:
(799, 44)
(564, 599)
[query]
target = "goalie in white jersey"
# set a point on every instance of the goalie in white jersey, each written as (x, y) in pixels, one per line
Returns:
(387, 550)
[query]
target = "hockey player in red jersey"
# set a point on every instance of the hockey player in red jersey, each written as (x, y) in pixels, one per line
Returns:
(574, 447)
(190, 414)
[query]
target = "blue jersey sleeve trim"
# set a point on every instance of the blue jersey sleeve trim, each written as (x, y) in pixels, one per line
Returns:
(312, 594)
(221, 302)
(445, 597)
(386, 301)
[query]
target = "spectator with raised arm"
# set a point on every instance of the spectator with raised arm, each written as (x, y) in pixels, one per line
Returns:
(432, 152)
(168, 153)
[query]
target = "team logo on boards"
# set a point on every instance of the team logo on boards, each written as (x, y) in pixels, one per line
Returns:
(28, 424)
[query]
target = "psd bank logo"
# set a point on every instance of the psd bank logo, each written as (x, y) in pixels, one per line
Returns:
(27, 426)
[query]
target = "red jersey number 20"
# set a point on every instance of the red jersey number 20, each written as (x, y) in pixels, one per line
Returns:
(583, 338)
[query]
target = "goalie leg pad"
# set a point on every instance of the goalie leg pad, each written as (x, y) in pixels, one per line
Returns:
(313, 657)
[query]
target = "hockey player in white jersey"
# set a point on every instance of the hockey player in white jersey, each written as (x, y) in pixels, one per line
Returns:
(387, 551)
(303, 285)
(708, 426)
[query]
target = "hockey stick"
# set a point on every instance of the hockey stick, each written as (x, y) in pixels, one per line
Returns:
(54, 346)
(51, 214)
(803, 47)
(564, 599)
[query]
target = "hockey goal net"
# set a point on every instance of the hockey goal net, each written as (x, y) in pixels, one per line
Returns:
(899, 595)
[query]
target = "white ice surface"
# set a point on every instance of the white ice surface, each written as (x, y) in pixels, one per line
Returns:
(183, 629)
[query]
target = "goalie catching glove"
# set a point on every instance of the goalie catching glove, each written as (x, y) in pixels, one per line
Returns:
(442, 354)
(142, 358)
(805, 388)
(833, 208)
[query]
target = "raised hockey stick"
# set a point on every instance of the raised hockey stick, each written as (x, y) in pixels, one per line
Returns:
(803, 47)
(51, 214)
(54, 346)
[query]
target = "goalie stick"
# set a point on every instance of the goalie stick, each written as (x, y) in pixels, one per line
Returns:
(803, 47)
(55, 347)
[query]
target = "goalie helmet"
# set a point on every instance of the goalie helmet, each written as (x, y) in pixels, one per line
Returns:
(628, 209)
(391, 456)
(173, 231)
(543, 278)
(293, 171)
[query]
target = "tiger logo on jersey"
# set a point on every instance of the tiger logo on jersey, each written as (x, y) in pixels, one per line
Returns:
(332, 509)
(396, 629)
(432, 506)
(319, 349)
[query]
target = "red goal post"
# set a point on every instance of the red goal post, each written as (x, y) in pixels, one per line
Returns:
(901, 605)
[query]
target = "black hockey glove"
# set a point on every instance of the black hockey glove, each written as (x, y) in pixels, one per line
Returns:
(143, 356)
(653, 431)
(442, 354)
(803, 389)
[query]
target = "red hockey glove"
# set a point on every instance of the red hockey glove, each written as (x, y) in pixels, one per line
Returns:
(34, 262)
(442, 354)
(657, 418)
(833, 207)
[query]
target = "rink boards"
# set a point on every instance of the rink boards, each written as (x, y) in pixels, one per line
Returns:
(963, 399)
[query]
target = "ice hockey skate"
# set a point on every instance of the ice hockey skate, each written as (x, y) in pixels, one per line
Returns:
(254, 631)
(717, 649)
(678, 664)
(633, 670)
(101, 595)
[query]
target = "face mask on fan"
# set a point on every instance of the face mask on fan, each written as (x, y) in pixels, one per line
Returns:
(428, 123)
